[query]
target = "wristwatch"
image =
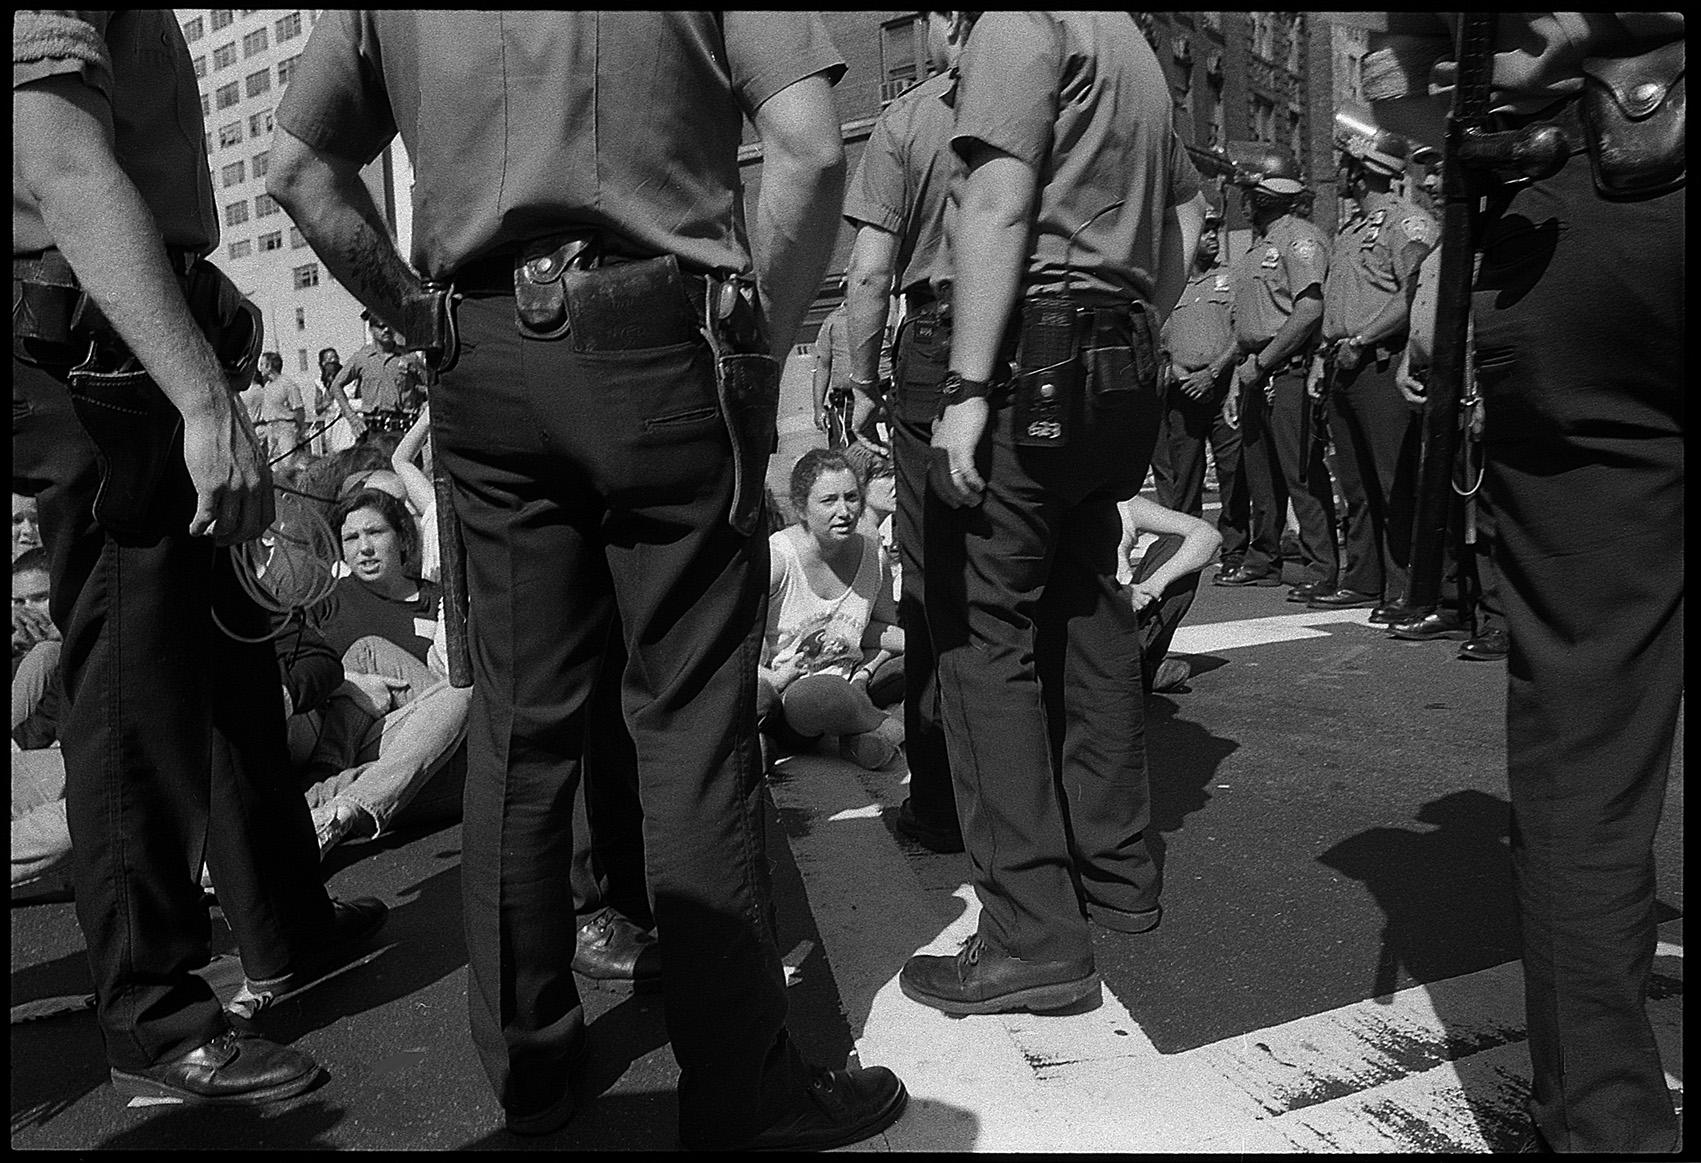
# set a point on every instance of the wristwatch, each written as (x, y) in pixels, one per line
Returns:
(954, 389)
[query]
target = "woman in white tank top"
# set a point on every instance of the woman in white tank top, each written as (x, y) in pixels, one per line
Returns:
(832, 623)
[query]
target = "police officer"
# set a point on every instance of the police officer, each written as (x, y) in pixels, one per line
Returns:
(169, 719)
(1582, 352)
(898, 201)
(1078, 217)
(1372, 273)
(1200, 351)
(390, 382)
(606, 428)
(1278, 307)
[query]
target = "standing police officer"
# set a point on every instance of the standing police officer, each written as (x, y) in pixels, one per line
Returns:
(126, 429)
(1582, 355)
(1199, 350)
(606, 429)
(1278, 306)
(1365, 308)
(898, 202)
(1077, 222)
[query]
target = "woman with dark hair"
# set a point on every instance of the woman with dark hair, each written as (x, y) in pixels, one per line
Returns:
(832, 623)
(396, 722)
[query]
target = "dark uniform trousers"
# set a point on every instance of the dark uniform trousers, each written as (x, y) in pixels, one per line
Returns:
(1376, 443)
(168, 722)
(919, 363)
(1270, 452)
(1586, 464)
(608, 817)
(1039, 669)
(1189, 425)
(593, 489)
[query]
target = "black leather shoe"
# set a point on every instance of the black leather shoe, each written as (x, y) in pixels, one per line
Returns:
(612, 948)
(352, 923)
(983, 980)
(1241, 576)
(1394, 613)
(930, 835)
(1305, 591)
(1343, 600)
(558, 1111)
(839, 1107)
(1228, 565)
(1489, 646)
(233, 1068)
(1440, 624)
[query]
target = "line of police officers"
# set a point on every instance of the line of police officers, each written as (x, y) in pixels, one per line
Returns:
(608, 357)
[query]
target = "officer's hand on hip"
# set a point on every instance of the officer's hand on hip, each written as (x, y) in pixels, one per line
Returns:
(1349, 353)
(956, 435)
(1406, 378)
(1231, 406)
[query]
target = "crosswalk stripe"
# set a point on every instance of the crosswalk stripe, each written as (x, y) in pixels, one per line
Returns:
(1213, 636)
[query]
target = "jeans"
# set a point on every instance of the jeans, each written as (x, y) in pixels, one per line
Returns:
(593, 490)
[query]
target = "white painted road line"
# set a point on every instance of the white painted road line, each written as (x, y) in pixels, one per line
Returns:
(1214, 636)
(1432, 1068)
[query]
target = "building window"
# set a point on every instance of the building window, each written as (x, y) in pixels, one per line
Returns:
(224, 56)
(261, 161)
(307, 276)
(228, 95)
(301, 318)
(233, 173)
(259, 123)
(222, 18)
(254, 42)
(301, 359)
(265, 205)
(901, 50)
(296, 241)
(1219, 117)
(260, 82)
(289, 27)
(200, 66)
(230, 134)
(239, 248)
(285, 68)
(235, 213)
(1263, 119)
(194, 30)
(272, 241)
(1264, 34)
(206, 105)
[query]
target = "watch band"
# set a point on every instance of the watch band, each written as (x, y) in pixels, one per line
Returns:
(954, 389)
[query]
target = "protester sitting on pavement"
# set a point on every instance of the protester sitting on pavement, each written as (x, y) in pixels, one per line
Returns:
(31, 623)
(832, 622)
(1164, 583)
(26, 528)
(399, 722)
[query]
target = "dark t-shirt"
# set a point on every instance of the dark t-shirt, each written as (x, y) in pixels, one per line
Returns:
(353, 611)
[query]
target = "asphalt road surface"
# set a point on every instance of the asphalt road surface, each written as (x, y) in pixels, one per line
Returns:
(1336, 970)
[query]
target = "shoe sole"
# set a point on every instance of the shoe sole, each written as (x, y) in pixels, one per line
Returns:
(932, 841)
(1482, 657)
(1443, 636)
(136, 1086)
(1034, 999)
(1263, 581)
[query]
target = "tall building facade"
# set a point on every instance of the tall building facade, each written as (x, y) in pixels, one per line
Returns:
(242, 59)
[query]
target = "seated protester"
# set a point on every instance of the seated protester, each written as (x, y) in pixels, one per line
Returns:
(397, 722)
(831, 623)
(1162, 586)
(31, 624)
(880, 502)
(26, 526)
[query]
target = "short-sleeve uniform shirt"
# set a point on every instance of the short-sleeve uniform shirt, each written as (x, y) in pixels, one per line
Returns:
(1081, 98)
(1200, 327)
(388, 379)
(139, 64)
(1376, 256)
(903, 182)
(523, 123)
(1292, 256)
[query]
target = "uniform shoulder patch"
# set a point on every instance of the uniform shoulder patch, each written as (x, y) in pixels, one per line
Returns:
(1306, 248)
(1417, 228)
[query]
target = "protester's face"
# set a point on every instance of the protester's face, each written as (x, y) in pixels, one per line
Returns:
(835, 503)
(30, 590)
(26, 533)
(372, 549)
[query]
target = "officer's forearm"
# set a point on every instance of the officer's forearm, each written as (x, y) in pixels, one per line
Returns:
(1301, 325)
(991, 247)
(1390, 322)
(63, 161)
(797, 211)
(868, 298)
(335, 213)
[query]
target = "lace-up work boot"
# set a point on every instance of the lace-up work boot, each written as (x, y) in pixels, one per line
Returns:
(983, 980)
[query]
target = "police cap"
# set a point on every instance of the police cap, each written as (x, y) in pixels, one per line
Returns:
(1359, 137)
(1266, 170)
